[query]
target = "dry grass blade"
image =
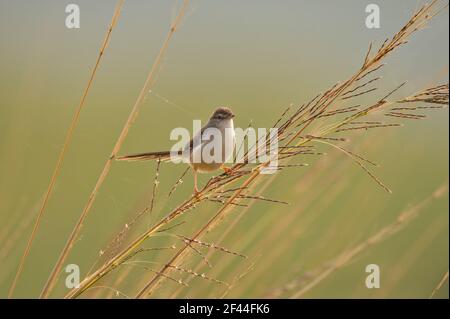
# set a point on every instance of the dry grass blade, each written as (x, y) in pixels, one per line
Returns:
(155, 186)
(402, 220)
(131, 118)
(361, 86)
(437, 96)
(261, 198)
(350, 153)
(349, 109)
(223, 202)
(359, 94)
(211, 245)
(408, 116)
(440, 284)
(140, 262)
(202, 255)
(115, 291)
(178, 182)
(237, 279)
(358, 160)
(66, 143)
(368, 127)
(434, 95)
(202, 275)
(141, 250)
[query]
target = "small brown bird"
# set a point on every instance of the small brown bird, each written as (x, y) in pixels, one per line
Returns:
(221, 121)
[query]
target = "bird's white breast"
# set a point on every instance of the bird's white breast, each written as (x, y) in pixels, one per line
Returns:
(224, 144)
(229, 139)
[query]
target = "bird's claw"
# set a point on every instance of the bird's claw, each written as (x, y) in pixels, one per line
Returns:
(196, 193)
(226, 169)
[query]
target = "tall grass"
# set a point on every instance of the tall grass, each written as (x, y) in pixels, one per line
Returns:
(301, 129)
(123, 134)
(304, 131)
(66, 143)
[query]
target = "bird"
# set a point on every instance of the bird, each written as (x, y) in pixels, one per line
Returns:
(193, 152)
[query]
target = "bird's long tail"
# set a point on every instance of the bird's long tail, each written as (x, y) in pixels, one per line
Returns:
(145, 156)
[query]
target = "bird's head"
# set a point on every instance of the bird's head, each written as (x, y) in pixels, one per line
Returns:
(222, 113)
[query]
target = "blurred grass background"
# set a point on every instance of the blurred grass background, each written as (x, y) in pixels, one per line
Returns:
(256, 57)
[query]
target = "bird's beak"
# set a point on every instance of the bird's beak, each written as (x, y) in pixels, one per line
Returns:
(232, 115)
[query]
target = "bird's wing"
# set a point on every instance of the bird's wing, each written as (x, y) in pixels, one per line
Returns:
(198, 136)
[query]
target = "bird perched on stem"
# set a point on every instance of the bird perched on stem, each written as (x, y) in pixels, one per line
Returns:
(206, 152)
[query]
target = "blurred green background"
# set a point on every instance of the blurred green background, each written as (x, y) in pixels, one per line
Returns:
(256, 57)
